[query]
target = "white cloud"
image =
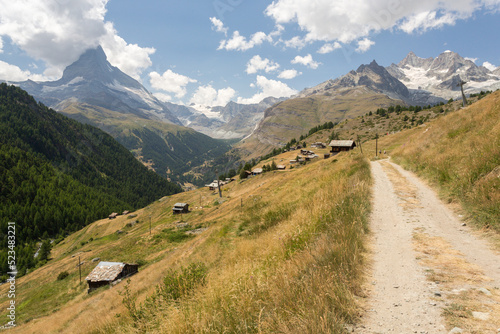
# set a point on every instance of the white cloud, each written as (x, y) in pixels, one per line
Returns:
(1, 45)
(10, 72)
(424, 21)
(209, 96)
(471, 59)
(218, 26)
(296, 42)
(240, 43)
(258, 64)
(306, 61)
(170, 82)
(364, 45)
(268, 87)
(346, 21)
(130, 58)
(489, 66)
(329, 47)
(58, 32)
(289, 74)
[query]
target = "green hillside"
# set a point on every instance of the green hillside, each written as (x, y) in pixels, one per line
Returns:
(57, 175)
(170, 150)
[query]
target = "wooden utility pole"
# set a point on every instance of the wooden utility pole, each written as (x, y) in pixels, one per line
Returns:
(218, 184)
(461, 84)
(80, 269)
(149, 225)
(376, 145)
(361, 148)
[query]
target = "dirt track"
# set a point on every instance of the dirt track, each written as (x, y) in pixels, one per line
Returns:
(425, 263)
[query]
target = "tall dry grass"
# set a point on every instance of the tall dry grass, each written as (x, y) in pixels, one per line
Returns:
(290, 265)
(461, 154)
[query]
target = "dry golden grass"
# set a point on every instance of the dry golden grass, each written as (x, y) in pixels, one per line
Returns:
(298, 277)
(288, 260)
(459, 282)
(406, 192)
(460, 154)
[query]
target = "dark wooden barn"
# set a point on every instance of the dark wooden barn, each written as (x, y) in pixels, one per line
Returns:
(109, 273)
(341, 145)
(180, 208)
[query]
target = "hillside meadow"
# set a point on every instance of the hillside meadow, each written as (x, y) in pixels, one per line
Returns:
(279, 252)
(459, 153)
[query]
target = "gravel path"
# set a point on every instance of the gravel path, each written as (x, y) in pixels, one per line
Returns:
(402, 299)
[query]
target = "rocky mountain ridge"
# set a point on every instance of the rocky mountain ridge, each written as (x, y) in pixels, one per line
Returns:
(93, 80)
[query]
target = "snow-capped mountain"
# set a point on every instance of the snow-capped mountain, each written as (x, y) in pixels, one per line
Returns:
(93, 80)
(440, 76)
(231, 121)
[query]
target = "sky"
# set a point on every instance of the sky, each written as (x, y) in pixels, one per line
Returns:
(210, 52)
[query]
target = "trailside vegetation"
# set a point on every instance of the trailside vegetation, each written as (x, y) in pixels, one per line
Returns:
(57, 175)
(294, 263)
(460, 153)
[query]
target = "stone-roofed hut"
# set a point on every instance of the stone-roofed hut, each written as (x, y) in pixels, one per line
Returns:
(180, 208)
(109, 273)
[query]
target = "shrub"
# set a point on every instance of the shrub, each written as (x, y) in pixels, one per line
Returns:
(62, 275)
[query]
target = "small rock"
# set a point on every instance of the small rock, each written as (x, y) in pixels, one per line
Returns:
(456, 330)
(485, 291)
(119, 232)
(481, 315)
(437, 294)
(464, 224)
(96, 259)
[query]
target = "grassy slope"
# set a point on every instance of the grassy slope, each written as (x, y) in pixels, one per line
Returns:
(460, 154)
(293, 117)
(288, 260)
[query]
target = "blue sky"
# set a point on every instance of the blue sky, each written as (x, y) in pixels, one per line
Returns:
(213, 51)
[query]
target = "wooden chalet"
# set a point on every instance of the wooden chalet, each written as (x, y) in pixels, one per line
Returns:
(109, 273)
(212, 186)
(113, 215)
(180, 208)
(281, 167)
(341, 145)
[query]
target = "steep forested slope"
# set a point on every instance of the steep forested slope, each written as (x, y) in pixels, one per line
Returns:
(56, 175)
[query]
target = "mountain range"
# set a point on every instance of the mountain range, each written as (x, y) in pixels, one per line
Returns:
(440, 76)
(94, 92)
(173, 139)
(414, 81)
